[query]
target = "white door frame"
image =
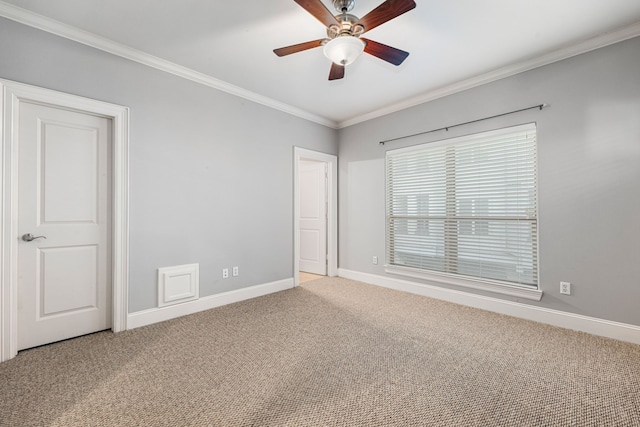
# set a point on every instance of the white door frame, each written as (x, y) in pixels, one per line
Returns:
(12, 94)
(332, 209)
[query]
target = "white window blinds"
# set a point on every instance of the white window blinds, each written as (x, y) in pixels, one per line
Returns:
(466, 206)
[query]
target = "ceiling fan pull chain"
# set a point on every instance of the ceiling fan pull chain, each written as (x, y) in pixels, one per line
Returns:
(344, 6)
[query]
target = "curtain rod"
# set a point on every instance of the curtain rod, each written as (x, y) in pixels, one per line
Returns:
(446, 128)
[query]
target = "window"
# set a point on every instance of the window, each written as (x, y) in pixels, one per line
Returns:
(466, 208)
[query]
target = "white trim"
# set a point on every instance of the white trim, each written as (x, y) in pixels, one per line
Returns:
(12, 95)
(467, 282)
(332, 208)
(70, 32)
(577, 322)
(588, 45)
(52, 26)
(155, 315)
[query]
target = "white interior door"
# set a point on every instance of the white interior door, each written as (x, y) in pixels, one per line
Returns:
(313, 217)
(64, 277)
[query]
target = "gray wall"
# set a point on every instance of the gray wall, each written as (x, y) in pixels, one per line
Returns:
(589, 174)
(211, 173)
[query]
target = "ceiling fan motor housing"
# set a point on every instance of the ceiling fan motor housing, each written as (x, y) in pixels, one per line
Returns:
(346, 27)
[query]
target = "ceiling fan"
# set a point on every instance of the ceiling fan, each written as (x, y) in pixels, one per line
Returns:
(344, 43)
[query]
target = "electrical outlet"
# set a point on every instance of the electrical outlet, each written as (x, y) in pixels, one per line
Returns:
(225, 273)
(565, 288)
(375, 260)
(235, 272)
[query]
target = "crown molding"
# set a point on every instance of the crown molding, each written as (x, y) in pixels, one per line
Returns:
(52, 26)
(60, 29)
(588, 45)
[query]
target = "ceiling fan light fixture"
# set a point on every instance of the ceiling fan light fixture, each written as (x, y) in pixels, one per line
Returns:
(344, 50)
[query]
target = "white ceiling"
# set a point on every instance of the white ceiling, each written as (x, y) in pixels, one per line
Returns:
(453, 44)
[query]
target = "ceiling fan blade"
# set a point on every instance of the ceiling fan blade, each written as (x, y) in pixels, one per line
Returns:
(385, 12)
(319, 11)
(337, 71)
(384, 52)
(288, 50)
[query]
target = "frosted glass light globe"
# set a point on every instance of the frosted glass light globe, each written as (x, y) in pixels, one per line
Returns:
(344, 50)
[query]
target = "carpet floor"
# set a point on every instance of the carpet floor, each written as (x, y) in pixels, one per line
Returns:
(332, 352)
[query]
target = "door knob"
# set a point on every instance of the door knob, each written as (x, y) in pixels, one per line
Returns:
(29, 237)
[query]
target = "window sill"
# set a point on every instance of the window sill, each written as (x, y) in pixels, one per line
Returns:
(468, 282)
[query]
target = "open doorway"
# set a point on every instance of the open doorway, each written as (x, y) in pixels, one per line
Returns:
(315, 216)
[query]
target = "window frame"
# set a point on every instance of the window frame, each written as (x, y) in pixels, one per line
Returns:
(531, 292)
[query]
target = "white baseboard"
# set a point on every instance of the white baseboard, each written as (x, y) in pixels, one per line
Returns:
(576, 322)
(155, 315)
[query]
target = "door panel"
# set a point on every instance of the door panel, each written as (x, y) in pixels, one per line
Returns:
(70, 189)
(62, 287)
(313, 217)
(310, 245)
(64, 278)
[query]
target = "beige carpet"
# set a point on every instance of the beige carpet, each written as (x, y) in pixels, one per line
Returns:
(332, 352)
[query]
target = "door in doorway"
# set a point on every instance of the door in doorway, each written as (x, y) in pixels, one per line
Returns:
(64, 221)
(313, 216)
